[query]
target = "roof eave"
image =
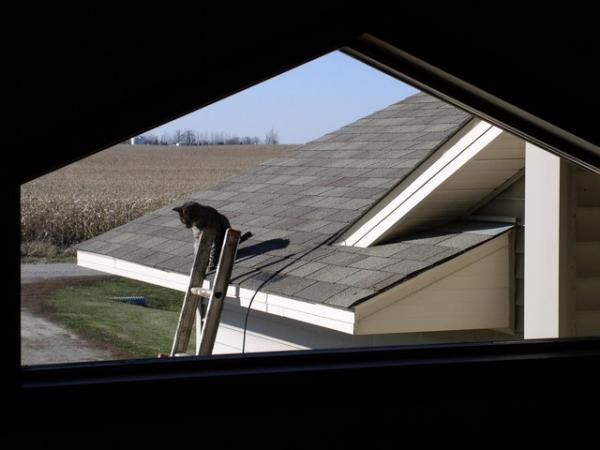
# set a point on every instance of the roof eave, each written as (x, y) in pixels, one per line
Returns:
(355, 320)
(313, 313)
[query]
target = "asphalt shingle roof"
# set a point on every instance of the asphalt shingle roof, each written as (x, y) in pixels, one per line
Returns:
(295, 205)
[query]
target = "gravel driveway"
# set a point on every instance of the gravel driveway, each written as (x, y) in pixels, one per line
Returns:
(46, 342)
(42, 340)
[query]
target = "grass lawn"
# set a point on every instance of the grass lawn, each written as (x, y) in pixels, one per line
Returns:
(142, 332)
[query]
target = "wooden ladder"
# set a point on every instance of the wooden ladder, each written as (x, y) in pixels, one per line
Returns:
(195, 306)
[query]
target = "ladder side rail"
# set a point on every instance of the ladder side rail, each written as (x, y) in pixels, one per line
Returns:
(219, 293)
(200, 315)
(191, 301)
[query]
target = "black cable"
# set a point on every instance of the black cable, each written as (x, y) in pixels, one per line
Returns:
(329, 239)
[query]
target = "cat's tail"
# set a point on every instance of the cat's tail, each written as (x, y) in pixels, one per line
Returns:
(247, 235)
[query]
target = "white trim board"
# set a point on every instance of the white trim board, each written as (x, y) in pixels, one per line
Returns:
(439, 167)
(313, 313)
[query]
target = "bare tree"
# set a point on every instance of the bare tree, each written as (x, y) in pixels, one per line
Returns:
(217, 138)
(233, 140)
(188, 137)
(202, 139)
(148, 139)
(177, 136)
(271, 137)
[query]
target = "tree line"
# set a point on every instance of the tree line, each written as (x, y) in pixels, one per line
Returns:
(191, 138)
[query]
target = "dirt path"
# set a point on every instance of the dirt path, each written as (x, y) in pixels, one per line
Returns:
(44, 341)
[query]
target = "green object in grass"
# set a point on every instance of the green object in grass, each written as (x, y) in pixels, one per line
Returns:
(132, 300)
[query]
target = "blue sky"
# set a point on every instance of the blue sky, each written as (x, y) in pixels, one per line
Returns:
(302, 104)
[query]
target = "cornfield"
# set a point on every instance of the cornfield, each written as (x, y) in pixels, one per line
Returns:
(113, 187)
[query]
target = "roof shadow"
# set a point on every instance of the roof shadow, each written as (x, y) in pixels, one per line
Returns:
(263, 247)
(432, 234)
(442, 232)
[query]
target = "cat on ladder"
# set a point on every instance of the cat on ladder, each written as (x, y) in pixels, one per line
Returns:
(201, 217)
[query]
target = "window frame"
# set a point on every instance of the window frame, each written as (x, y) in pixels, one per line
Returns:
(305, 375)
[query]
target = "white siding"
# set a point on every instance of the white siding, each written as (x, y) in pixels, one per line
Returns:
(588, 223)
(378, 222)
(588, 293)
(587, 252)
(272, 333)
(472, 291)
(510, 203)
(584, 284)
(475, 180)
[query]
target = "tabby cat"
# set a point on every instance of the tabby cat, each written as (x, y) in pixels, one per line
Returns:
(200, 217)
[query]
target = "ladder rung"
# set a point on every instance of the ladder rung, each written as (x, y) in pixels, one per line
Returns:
(165, 355)
(202, 292)
(207, 314)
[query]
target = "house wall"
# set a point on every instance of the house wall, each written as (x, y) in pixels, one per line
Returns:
(582, 261)
(463, 172)
(586, 196)
(580, 251)
(267, 332)
(471, 291)
(584, 191)
(562, 270)
(272, 333)
(469, 179)
(510, 203)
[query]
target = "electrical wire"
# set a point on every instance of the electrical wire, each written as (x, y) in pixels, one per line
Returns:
(262, 285)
